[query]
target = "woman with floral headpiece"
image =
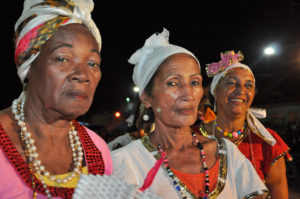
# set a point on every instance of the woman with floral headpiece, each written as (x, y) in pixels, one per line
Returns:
(174, 161)
(43, 149)
(233, 89)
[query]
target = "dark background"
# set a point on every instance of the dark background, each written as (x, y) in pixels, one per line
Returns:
(204, 27)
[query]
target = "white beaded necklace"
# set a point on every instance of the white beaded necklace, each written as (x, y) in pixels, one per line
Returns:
(31, 149)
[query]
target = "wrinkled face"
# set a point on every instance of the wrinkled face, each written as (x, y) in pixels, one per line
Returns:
(176, 92)
(65, 75)
(235, 92)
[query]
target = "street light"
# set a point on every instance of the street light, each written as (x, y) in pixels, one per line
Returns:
(117, 114)
(269, 51)
(136, 89)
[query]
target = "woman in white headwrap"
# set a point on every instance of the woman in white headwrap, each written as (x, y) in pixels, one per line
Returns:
(233, 90)
(174, 161)
(43, 149)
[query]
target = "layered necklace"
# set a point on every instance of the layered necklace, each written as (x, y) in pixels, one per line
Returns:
(32, 156)
(180, 187)
(234, 134)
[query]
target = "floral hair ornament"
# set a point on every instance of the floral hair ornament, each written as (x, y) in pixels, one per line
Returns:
(228, 58)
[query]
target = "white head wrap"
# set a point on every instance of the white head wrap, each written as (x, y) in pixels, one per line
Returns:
(43, 12)
(148, 58)
(253, 113)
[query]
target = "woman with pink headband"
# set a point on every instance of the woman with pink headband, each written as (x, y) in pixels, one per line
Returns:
(233, 89)
(43, 149)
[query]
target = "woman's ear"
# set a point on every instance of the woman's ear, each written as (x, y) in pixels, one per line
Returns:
(146, 100)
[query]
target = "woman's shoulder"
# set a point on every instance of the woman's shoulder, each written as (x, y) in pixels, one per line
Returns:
(274, 134)
(5, 116)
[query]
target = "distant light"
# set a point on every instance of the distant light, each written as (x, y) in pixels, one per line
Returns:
(136, 89)
(117, 114)
(127, 99)
(269, 51)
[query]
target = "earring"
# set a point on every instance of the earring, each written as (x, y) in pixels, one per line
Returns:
(215, 106)
(145, 117)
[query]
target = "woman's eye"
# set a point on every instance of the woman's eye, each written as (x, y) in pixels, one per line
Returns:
(61, 59)
(172, 83)
(195, 83)
(93, 64)
(249, 86)
(231, 83)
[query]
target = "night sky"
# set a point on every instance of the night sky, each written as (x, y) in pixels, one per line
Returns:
(206, 28)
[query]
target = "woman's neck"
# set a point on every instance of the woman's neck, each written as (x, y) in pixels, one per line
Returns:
(171, 137)
(230, 123)
(45, 127)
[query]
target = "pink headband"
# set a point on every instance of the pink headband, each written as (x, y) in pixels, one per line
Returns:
(228, 58)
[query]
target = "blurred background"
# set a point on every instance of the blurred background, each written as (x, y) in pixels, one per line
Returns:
(267, 32)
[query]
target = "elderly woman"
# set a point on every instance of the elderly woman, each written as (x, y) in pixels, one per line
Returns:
(193, 166)
(233, 88)
(43, 150)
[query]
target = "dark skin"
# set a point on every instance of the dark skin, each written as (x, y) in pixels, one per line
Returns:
(61, 86)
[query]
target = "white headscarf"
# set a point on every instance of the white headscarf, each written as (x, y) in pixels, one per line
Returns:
(148, 58)
(253, 113)
(79, 11)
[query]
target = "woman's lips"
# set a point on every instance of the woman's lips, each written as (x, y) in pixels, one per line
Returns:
(78, 95)
(186, 111)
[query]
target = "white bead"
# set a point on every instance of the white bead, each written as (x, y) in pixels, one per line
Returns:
(77, 164)
(41, 168)
(31, 141)
(65, 181)
(27, 134)
(23, 128)
(33, 148)
(38, 162)
(52, 178)
(21, 123)
(35, 155)
(58, 180)
(17, 117)
(46, 173)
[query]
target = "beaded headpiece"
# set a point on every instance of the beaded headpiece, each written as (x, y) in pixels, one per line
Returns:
(228, 58)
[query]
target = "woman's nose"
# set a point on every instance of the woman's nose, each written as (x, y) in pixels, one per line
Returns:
(80, 73)
(187, 92)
